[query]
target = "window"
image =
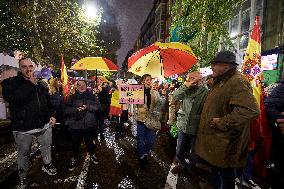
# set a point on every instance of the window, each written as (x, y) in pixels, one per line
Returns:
(245, 21)
(246, 4)
(244, 41)
(234, 26)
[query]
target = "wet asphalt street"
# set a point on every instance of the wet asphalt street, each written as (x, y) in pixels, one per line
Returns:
(117, 168)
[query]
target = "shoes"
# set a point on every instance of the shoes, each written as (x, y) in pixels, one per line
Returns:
(177, 169)
(23, 184)
(117, 135)
(143, 161)
(102, 136)
(73, 164)
(49, 169)
(94, 159)
(249, 183)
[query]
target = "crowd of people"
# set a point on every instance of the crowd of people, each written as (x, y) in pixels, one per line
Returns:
(213, 117)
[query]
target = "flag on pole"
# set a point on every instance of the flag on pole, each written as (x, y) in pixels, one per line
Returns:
(64, 79)
(251, 68)
(115, 107)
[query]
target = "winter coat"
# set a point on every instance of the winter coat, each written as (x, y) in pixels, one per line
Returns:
(174, 106)
(156, 105)
(231, 99)
(29, 103)
(192, 102)
(57, 104)
(83, 119)
(274, 103)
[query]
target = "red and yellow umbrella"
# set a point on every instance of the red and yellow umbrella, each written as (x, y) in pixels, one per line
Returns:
(100, 79)
(162, 59)
(95, 63)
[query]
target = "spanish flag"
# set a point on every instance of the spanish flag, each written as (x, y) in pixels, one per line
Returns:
(260, 133)
(115, 107)
(64, 79)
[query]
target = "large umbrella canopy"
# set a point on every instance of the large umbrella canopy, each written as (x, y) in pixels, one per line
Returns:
(162, 59)
(100, 79)
(95, 63)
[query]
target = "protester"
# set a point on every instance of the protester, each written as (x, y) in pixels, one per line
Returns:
(146, 134)
(164, 91)
(19, 54)
(81, 116)
(223, 135)
(192, 94)
(59, 132)
(274, 105)
(104, 96)
(31, 117)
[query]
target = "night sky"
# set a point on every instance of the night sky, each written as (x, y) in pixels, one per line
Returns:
(131, 14)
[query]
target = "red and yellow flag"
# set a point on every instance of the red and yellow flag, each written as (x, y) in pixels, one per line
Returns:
(64, 79)
(260, 132)
(115, 107)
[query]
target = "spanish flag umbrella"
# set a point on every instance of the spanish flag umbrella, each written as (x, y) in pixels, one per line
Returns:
(95, 63)
(162, 59)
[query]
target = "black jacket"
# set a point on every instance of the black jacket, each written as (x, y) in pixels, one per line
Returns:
(29, 103)
(274, 103)
(57, 104)
(84, 119)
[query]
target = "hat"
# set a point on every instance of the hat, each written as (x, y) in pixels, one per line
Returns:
(227, 57)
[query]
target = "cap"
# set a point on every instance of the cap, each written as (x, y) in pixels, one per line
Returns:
(227, 57)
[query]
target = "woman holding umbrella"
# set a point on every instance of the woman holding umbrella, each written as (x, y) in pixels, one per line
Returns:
(146, 133)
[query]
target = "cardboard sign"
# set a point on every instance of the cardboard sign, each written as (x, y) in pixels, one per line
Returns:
(131, 94)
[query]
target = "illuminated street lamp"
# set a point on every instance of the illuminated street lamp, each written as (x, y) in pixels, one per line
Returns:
(90, 10)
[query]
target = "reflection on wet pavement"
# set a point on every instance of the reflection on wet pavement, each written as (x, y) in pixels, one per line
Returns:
(117, 168)
(112, 144)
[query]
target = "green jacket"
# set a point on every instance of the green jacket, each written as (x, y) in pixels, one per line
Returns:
(231, 99)
(192, 102)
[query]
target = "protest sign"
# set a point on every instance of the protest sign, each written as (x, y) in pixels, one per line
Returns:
(131, 94)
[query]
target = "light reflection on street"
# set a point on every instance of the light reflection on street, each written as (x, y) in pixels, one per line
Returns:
(112, 144)
(126, 183)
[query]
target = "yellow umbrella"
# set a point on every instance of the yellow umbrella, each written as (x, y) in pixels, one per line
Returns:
(95, 63)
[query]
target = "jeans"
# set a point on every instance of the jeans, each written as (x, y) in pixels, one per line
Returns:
(224, 178)
(145, 139)
(24, 142)
(77, 136)
(185, 144)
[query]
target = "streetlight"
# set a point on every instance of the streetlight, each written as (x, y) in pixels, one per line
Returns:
(91, 10)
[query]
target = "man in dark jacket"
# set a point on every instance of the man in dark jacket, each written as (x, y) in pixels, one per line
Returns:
(274, 105)
(29, 103)
(223, 135)
(105, 99)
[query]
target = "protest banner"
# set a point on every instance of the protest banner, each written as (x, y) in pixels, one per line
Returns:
(131, 94)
